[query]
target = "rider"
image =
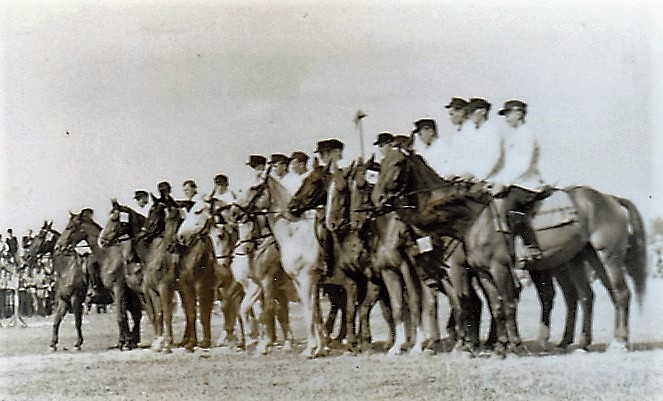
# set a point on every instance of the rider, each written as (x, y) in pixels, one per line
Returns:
(259, 164)
(477, 147)
(383, 141)
(429, 146)
(518, 179)
(331, 153)
(143, 200)
(190, 189)
(298, 169)
(279, 163)
(403, 141)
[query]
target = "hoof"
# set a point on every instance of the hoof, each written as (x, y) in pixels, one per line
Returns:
(617, 347)
(189, 347)
(205, 344)
(53, 348)
(287, 345)
(564, 344)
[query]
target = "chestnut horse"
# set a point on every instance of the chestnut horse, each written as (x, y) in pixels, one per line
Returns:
(600, 236)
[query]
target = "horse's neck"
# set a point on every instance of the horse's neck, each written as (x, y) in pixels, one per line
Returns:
(92, 240)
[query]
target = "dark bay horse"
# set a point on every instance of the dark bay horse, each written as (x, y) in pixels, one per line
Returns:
(600, 236)
(111, 264)
(70, 289)
(150, 260)
(376, 267)
(43, 243)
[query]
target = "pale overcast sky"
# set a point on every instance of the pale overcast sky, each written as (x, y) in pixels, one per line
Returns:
(162, 90)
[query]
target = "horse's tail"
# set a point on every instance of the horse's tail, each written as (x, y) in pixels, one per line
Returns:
(636, 254)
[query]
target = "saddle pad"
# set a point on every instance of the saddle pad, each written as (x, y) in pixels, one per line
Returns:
(554, 211)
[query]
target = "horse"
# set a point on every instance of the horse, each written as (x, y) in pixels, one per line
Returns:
(113, 272)
(264, 280)
(43, 243)
(300, 253)
(200, 275)
(70, 289)
(600, 236)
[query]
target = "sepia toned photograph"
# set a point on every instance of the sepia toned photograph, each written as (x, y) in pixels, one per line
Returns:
(348, 200)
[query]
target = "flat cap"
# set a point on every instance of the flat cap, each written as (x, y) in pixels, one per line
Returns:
(140, 194)
(456, 103)
(477, 103)
(402, 141)
(329, 144)
(513, 105)
(424, 123)
(279, 158)
(164, 186)
(221, 179)
(383, 138)
(299, 155)
(256, 160)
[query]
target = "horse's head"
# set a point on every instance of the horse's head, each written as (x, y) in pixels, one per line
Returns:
(156, 216)
(338, 198)
(360, 194)
(313, 191)
(196, 223)
(393, 177)
(118, 225)
(80, 227)
(42, 243)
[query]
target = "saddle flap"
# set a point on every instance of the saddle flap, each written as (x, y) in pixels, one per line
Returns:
(554, 211)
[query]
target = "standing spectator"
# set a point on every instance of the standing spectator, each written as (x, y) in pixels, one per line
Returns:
(12, 245)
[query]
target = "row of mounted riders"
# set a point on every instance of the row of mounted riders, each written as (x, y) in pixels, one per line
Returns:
(356, 240)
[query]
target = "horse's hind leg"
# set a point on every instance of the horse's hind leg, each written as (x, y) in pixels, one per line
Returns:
(60, 311)
(187, 294)
(611, 273)
(136, 315)
(545, 289)
(586, 298)
(565, 280)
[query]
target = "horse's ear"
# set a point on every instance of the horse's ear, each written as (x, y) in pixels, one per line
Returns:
(115, 203)
(351, 169)
(71, 214)
(316, 163)
(50, 225)
(328, 167)
(371, 160)
(154, 198)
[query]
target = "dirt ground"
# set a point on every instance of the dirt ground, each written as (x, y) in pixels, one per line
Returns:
(28, 371)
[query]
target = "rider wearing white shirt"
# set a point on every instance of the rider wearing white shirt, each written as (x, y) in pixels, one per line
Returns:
(258, 164)
(519, 176)
(430, 147)
(143, 200)
(293, 180)
(477, 146)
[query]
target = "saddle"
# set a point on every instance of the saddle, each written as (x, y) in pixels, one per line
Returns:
(551, 209)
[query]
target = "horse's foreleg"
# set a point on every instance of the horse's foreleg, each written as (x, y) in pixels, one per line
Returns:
(504, 281)
(60, 312)
(371, 298)
(283, 314)
(167, 307)
(188, 297)
(206, 302)
(497, 309)
(545, 288)
(267, 318)
(350, 312)
(392, 281)
(77, 309)
(121, 315)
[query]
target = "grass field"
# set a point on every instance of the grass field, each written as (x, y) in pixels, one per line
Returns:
(28, 371)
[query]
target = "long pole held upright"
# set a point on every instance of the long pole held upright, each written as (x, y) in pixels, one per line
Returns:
(358, 117)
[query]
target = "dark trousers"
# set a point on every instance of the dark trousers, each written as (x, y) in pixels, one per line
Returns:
(517, 207)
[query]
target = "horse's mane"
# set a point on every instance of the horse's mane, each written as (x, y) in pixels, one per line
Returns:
(278, 193)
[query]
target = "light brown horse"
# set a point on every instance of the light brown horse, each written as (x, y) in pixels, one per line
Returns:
(201, 276)
(600, 236)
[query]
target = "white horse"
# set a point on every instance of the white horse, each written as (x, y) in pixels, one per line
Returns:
(300, 253)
